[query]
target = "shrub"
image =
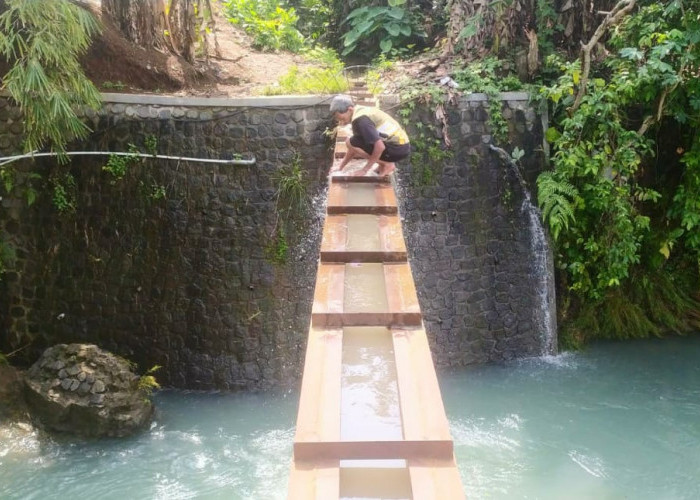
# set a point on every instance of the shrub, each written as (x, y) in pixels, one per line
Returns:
(272, 26)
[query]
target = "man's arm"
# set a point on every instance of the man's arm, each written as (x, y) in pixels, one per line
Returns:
(349, 155)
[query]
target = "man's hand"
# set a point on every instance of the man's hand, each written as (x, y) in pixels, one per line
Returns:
(340, 166)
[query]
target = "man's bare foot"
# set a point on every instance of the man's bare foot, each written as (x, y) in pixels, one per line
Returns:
(387, 169)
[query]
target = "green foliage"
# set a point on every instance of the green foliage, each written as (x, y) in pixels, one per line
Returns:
(414, 93)
(684, 210)
(147, 382)
(314, 18)
(428, 156)
(157, 192)
(428, 152)
(328, 58)
(272, 26)
(374, 75)
(278, 250)
(64, 193)
(547, 25)
(387, 27)
(517, 154)
(649, 305)
(496, 14)
(151, 144)
(622, 221)
(486, 76)
(291, 196)
(118, 165)
(8, 181)
(291, 204)
(113, 85)
(374, 81)
(151, 191)
(557, 199)
(7, 255)
(596, 200)
(327, 79)
(43, 41)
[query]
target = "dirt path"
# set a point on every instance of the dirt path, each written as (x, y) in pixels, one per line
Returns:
(242, 70)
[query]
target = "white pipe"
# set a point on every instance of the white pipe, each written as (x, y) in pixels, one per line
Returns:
(10, 159)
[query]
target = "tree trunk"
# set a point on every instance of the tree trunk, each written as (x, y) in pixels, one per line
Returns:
(479, 27)
(182, 25)
(162, 24)
(141, 21)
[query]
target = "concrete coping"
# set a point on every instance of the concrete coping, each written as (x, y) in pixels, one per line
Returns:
(505, 96)
(216, 102)
(468, 96)
(267, 101)
(262, 101)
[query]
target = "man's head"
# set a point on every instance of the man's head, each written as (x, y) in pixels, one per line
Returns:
(342, 108)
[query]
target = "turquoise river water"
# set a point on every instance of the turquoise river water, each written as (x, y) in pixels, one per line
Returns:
(617, 421)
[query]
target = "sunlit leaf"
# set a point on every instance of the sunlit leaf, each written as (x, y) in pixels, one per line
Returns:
(396, 13)
(386, 44)
(552, 135)
(632, 53)
(393, 29)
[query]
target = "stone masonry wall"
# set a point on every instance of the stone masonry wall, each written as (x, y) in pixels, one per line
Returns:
(475, 260)
(188, 281)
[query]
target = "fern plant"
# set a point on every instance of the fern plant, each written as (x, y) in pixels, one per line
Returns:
(43, 40)
(557, 199)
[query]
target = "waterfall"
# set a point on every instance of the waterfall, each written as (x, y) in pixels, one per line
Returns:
(543, 264)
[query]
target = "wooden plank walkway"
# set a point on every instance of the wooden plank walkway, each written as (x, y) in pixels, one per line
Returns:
(365, 280)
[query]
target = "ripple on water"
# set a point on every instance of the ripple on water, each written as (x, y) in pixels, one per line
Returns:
(616, 422)
(480, 434)
(168, 488)
(591, 464)
(511, 421)
(490, 461)
(562, 360)
(19, 442)
(188, 437)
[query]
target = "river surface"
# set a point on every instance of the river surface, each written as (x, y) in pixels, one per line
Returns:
(619, 420)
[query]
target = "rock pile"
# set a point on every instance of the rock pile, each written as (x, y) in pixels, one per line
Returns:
(83, 390)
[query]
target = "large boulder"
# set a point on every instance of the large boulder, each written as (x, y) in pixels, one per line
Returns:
(83, 390)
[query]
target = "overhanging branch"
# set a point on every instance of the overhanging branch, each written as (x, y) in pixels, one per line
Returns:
(613, 17)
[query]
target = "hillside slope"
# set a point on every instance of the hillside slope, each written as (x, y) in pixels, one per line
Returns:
(117, 65)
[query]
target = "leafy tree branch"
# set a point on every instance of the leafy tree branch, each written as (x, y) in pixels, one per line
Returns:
(43, 40)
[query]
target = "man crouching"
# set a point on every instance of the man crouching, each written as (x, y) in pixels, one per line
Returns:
(376, 136)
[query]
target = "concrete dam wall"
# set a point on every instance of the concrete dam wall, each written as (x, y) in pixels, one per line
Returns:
(210, 281)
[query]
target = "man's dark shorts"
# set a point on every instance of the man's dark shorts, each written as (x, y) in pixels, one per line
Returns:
(392, 153)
